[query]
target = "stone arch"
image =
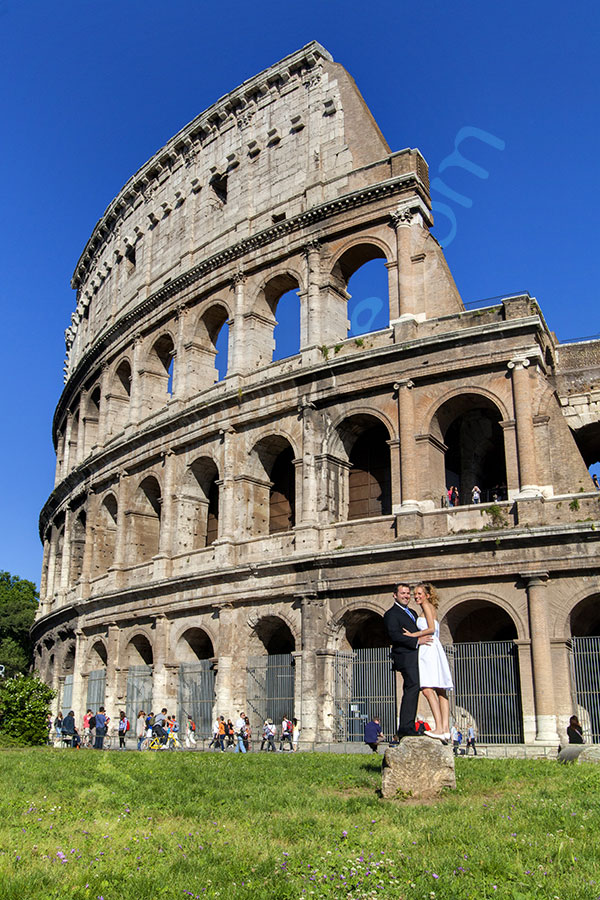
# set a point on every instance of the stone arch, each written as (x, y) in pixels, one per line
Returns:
(466, 447)
(78, 534)
(198, 505)
(359, 626)
(583, 617)
(272, 485)
(119, 396)
(92, 417)
(105, 535)
(272, 635)
(193, 645)
(156, 374)
(480, 616)
(138, 650)
(359, 273)
(276, 340)
(210, 341)
(145, 520)
(97, 656)
(360, 466)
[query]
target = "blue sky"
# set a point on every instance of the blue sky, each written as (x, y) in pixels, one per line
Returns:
(91, 91)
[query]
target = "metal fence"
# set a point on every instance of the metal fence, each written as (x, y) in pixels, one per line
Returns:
(364, 686)
(139, 691)
(271, 681)
(585, 681)
(96, 688)
(487, 690)
(196, 696)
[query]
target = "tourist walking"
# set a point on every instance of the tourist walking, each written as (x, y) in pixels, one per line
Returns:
(101, 725)
(123, 729)
(286, 733)
(140, 728)
(295, 735)
(190, 733)
(471, 740)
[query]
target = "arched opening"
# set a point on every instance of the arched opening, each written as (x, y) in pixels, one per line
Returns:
(362, 276)
(196, 691)
(198, 508)
(207, 355)
(119, 398)
(139, 651)
(281, 295)
(271, 674)
(139, 659)
(73, 439)
(485, 666)
(92, 416)
(365, 685)
(588, 444)
(469, 427)
(67, 671)
(369, 477)
(282, 501)
(59, 543)
(77, 546)
(157, 377)
(145, 520)
(106, 535)
(271, 487)
(222, 348)
(585, 664)
(194, 645)
(98, 655)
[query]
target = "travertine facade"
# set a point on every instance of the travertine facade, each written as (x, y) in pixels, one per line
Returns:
(269, 511)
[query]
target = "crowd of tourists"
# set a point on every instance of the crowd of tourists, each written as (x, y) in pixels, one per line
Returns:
(162, 731)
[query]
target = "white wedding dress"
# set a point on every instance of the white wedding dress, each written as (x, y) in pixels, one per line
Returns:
(434, 670)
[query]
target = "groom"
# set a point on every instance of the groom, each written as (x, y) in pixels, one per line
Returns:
(405, 655)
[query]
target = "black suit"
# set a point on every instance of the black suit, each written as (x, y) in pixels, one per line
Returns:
(405, 656)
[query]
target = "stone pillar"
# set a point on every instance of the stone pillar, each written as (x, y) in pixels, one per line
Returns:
(180, 391)
(51, 564)
(79, 681)
(68, 438)
(408, 451)
(136, 382)
(310, 317)
(307, 501)
(230, 684)
(524, 421)
(309, 703)
(161, 688)
(81, 452)
(120, 536)
(65, 569)
(325, 677)
(112, 668)
(541, 658)
(60, 455)
(224, 544)
(165, 541)
(102, 427)
(90, 528)
(401, 223)
(527, 692)
(236, 356)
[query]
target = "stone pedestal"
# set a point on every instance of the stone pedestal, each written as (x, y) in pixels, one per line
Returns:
(419, 767)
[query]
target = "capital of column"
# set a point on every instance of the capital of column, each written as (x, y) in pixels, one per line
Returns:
(311, 246)
(237, 278)
(400, 217)
(519, 362)
(405, 383)
(533, 579)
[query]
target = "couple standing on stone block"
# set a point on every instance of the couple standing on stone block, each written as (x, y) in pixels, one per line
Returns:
(419, 656)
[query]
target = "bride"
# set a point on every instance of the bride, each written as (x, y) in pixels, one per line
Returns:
(434, 672)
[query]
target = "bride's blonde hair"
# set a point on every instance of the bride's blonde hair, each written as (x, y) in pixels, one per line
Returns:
(432, 594)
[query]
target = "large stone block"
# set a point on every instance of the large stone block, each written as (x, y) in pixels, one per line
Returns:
(419, 766)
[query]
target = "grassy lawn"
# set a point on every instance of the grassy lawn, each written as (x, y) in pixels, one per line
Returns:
(140, 826)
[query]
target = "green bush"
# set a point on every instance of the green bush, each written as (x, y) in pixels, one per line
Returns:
(24, 707)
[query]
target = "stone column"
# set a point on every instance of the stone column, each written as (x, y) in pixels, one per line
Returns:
(179, 366)
(161, 666)
(121, 532)
(79, 681)
(136, 385)
(226, 692)
(541, 658)
(310, 318)
(81, 450)
(103, 409)
(60, 456)
(165, 541)
(524, 422)
(227, 505)
(65, 569)
(44, 574)
(401, 223)
(310, 703)
(90, 528)
(307, 501)
(112, 667)
(50, 591)
(66, 463)
(406, 430)
(236, 358)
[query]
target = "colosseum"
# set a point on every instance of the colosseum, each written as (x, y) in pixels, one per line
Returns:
(235, 498)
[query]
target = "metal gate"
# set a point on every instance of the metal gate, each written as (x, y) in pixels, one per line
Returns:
(487, 690)
(196, 696)
(585, 682)
(96, 688)
(270, 688)
(66, 702)
(364, 686)
(139, 691)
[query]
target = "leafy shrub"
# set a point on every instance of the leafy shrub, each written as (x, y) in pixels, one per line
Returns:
(24, 708)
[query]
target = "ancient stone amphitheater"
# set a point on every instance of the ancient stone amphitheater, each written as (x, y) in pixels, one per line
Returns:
(232, 505)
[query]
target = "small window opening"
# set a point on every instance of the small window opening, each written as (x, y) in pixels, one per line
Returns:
(278, 217)
(219, 185)
(130, 256)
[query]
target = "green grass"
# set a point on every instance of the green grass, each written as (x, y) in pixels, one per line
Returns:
(130, 826)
